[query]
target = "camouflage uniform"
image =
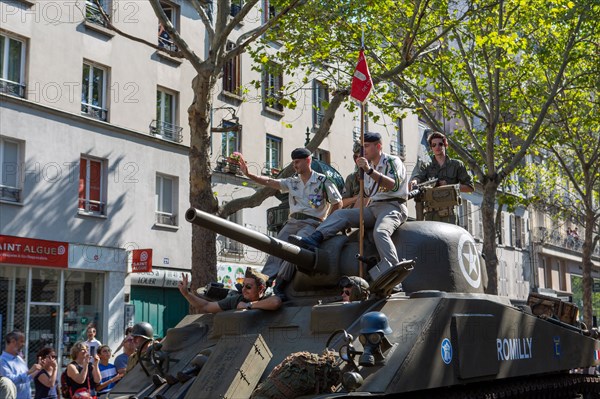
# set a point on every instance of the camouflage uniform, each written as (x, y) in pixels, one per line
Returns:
(453, 172)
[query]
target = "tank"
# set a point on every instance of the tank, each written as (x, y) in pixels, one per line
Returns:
(440, 337)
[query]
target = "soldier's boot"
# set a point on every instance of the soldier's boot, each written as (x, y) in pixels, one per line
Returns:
(311, 242)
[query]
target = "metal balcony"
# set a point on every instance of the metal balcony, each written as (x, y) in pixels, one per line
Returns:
(10, 194)
(165, 218)
(12, 88)
(94, 112)
(167, 131)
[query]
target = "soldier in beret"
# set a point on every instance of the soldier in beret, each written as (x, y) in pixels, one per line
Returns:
(387, 188)
(311, 195)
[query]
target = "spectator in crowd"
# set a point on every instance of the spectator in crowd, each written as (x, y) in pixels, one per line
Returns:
(108, 371)
(123, 358)
(82, 375)
(13, 367)
(8, 390)
(45, 380)
(91, 339)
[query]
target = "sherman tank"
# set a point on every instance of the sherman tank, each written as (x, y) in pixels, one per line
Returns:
(441, 336)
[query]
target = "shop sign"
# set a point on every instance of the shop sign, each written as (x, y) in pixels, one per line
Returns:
(159, 278)
(29, 251)
(141, 260)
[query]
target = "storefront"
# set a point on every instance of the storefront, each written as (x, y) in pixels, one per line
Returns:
(157, 299)
(53, 290)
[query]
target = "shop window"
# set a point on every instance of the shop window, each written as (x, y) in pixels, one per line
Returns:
(13, 299)
(273, 155)
(83, 305)
(93, 91)
(166, 200)
(92, 186)
(10, 161)
(12, 66)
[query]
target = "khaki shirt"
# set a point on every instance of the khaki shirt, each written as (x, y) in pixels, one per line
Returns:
(453, 172)
(312, 198)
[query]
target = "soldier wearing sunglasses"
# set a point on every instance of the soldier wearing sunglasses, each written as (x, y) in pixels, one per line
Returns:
(448, 171)
(253, 296)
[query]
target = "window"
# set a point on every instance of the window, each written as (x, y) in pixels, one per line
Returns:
(93, 91)
(166, 200)
(9, 170)
(12, 66)
(164, 40)
(320, 101)
(92, 189)
(232, 73)
(268, 11)
(230, 140)
(272, 88)
(93, 13)
(323, 156)
(233, 247)
(273, 157)
(165, 124)
(397, 146)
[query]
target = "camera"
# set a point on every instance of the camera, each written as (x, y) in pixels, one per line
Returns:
(92, 351)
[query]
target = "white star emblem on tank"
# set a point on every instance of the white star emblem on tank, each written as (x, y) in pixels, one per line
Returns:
(468, 258)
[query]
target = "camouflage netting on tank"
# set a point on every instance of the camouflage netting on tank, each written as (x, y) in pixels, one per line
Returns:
(301, 373)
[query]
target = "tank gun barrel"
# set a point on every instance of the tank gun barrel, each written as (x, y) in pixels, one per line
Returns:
(282, 249)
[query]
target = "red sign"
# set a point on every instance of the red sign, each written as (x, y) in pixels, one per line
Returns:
(361, 81)
(141, 260)
(29, 251)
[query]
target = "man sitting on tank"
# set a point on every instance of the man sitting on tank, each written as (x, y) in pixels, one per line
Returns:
(354, 288)
(386, 186)
(253, 296)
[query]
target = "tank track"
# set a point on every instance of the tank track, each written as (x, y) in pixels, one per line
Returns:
(552, 386)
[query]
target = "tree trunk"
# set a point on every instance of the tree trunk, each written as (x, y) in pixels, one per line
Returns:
(586, 259)
(204, 256)
(489, 235)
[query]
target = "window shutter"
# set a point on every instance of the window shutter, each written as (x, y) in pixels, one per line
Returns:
(512, 231)
(82, 182)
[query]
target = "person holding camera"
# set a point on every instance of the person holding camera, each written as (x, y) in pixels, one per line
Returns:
(82, 374)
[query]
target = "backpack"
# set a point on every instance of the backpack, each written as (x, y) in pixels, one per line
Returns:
(64, 389)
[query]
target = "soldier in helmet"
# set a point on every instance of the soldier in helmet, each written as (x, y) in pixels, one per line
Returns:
(354, 288)
(143, 336)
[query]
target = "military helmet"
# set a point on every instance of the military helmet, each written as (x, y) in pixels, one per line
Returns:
(359, 288)
(374, 322)
(143, 329)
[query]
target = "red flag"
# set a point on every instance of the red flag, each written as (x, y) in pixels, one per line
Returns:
(361, 81)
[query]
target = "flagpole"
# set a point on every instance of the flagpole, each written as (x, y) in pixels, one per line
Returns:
(361, 193)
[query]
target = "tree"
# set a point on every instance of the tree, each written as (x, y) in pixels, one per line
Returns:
(323, 42)
(219, 27)
(574, 157)
(492, 84)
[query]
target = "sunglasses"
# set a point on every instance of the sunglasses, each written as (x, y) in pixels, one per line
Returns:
(433, 145)
(346, 292)
(248, 286)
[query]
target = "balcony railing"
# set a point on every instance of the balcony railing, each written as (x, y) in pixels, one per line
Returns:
(11, 194)
(93, 13)
(94, 112)
(166, 130)
(166, 218)
(561, 240)
(12, 88)
(164, 41)
(91, 206)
